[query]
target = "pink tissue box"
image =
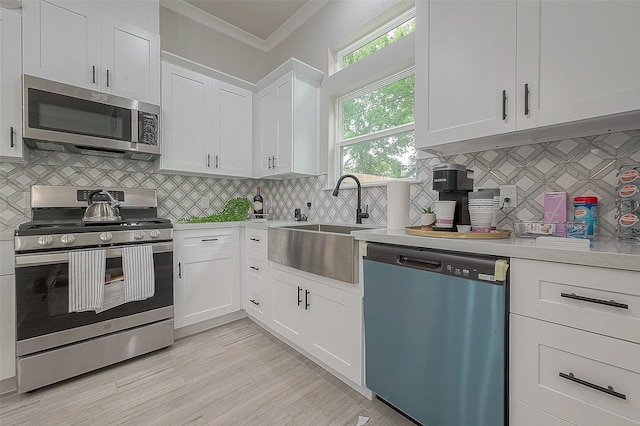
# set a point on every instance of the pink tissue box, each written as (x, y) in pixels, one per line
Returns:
(555, 208)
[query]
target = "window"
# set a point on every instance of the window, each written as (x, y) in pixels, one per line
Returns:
(383, 36)
(376, 130)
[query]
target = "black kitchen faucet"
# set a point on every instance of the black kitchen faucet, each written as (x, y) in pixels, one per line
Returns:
(359, 214)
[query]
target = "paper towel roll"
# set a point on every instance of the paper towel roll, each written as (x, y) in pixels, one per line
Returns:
(397, 204)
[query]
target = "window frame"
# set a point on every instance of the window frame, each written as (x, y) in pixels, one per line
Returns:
(339, 143)
(361, 42)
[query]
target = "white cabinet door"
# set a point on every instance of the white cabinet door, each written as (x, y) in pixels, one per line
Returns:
(287, 302)
(11, 146)
(334, 329)
(578, 58)
(130, 61)
(268, 116)
(61, 41)
(232, 130)
(470, 49)
(186, 120)
(283, 157)
(7, 326)
(207, 286)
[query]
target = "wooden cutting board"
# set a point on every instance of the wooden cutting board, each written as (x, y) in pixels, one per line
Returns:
(428, 232)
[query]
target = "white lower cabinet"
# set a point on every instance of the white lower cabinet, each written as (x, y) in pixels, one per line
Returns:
(206, 282)
(523, 414)
(585, 378)
(574, 345)
(7, 311)
(320, 318)
(255, 274)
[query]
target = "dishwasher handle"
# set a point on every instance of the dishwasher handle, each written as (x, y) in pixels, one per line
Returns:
(424, 264)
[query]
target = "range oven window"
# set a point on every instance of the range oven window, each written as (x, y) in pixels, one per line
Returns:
(52, 111)
(42, 297)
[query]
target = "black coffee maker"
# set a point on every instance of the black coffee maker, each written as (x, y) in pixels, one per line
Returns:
(454, 182)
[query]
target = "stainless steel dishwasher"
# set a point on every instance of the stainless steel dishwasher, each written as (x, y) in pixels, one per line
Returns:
(436, 334)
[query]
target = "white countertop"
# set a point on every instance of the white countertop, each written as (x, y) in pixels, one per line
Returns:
(261, 224)
(604, 252)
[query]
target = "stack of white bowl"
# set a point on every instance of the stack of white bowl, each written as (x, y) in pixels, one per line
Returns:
(482, 210)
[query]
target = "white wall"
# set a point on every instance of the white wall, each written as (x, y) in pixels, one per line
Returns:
(329, 27)
(191, 40)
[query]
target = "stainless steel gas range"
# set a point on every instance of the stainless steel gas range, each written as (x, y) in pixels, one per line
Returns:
(56, 340)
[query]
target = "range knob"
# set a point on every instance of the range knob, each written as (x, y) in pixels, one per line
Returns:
(67, 239)
(106, 236)
(45, 240)
(154, 234)
(138, 235)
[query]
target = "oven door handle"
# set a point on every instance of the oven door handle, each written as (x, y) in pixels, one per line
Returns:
(23, 260)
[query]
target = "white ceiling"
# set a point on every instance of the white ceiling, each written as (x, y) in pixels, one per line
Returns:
(260, 18)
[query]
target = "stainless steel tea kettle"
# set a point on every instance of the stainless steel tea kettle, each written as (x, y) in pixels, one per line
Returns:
(101, 211)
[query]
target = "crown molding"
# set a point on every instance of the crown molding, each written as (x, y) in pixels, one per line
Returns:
(294, 22)
(185, 9)
(285, 30)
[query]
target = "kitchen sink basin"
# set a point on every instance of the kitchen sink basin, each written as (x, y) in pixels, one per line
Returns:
(322, 249)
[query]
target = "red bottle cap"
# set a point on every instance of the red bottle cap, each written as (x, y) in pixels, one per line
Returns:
(586, 199)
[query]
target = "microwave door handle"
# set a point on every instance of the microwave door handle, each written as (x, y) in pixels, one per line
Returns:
(135, 123)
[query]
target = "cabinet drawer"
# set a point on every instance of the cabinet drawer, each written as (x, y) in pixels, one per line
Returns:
(255, 267)
(605, 301)
(523, 414)
(205, 240)
(255, 239)
(255, 301)
(573, 374)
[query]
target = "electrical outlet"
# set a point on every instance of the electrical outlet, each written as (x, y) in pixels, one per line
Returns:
(510, 192)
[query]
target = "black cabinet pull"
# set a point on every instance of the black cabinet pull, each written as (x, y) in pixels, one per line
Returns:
(299, 298)
(208, 160)
(598, 301)
(216, 165)
(269, 162)
(306, 299)
(255, 268)
(209, 239)
(274, 161)
(11, 136)
(608, 390)
(107, 78)
(254, 302)
(526, 99)
(94, 74)
(504, 105)
(179, 270)
(255, 239)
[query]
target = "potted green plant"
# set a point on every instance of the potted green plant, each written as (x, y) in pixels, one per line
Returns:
(428, 217)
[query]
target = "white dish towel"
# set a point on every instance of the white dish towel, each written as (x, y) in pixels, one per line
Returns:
(137, 268)
(86, 280)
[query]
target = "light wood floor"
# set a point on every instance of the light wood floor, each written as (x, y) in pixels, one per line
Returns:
(236, 374)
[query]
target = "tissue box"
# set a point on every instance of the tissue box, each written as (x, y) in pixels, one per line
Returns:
(555, 207)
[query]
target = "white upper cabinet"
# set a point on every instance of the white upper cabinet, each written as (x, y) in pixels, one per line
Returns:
(130, 59)
(206, 124)
(287, 122)
(78, 43)
(471, 48)
(489, 68)
(186, 120)
(11, 146)
(579, 59)
(232, 129)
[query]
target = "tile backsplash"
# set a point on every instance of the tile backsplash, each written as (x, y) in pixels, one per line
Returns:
(581, 166)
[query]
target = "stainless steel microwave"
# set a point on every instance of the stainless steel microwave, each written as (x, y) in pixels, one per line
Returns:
(60, 117)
